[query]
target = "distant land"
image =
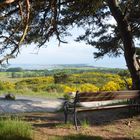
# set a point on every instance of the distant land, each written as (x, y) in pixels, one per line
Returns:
(51, 66)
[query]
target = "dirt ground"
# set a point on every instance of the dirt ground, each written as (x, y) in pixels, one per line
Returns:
(101, 125)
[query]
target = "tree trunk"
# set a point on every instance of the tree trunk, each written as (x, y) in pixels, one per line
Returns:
(129, 47)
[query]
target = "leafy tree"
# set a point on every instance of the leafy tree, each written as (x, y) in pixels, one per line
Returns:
(60, 77)
(17, 69)
(108, 38)
(38, 21)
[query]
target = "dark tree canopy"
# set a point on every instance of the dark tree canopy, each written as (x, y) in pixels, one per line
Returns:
(100, 31)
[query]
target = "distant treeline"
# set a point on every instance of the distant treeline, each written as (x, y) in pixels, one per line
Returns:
(19, 72)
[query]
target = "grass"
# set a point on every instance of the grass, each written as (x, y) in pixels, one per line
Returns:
(6, 76)
(68, 125)
(50, 126)
(15, 129)
(33, 94)
(135, 133)
(85, 123)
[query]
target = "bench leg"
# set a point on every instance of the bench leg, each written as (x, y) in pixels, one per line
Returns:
(75, 120)
(66, 117)
(65, 109)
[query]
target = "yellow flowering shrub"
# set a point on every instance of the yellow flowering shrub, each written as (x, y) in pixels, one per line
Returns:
(88, 88)
(7, 85)
(120, 81)
(37, 80)
(111, 86)
(129, 82)
(68, 89)
(49, 79)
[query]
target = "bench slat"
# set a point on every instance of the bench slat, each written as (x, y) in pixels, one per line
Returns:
(105, 107)
(103, 96)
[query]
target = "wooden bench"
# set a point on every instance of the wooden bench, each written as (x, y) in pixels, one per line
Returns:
(127, 99)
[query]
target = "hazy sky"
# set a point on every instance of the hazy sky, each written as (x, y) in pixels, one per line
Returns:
(71, 53)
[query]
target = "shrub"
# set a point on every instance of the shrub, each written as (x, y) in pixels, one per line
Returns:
(111, 86)
(67, 96)
(88, 88)
(21, 85)
(37, 80)
(120, 82)
(54, 88)
(60, 77)
(129, 82)
(68, 89)
(6, 85)
(35, 84)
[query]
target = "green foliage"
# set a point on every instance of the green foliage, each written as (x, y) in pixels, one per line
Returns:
(60, 77)
(17, 74)
(54, 88)
(67, 96)
(124, 73)
(21, 85)
(18, 69)
(85, 123)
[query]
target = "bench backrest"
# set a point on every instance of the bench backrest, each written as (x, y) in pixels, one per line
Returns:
(107, 95)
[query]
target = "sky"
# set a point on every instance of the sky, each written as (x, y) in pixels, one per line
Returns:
(71, 53)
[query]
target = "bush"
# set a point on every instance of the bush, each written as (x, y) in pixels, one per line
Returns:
(54, 88)
(21, 85)
(38, 80)
(68, 89)
(129, 82)
(88, 88)
(60, 77)
(6, 86)
(111, 86)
